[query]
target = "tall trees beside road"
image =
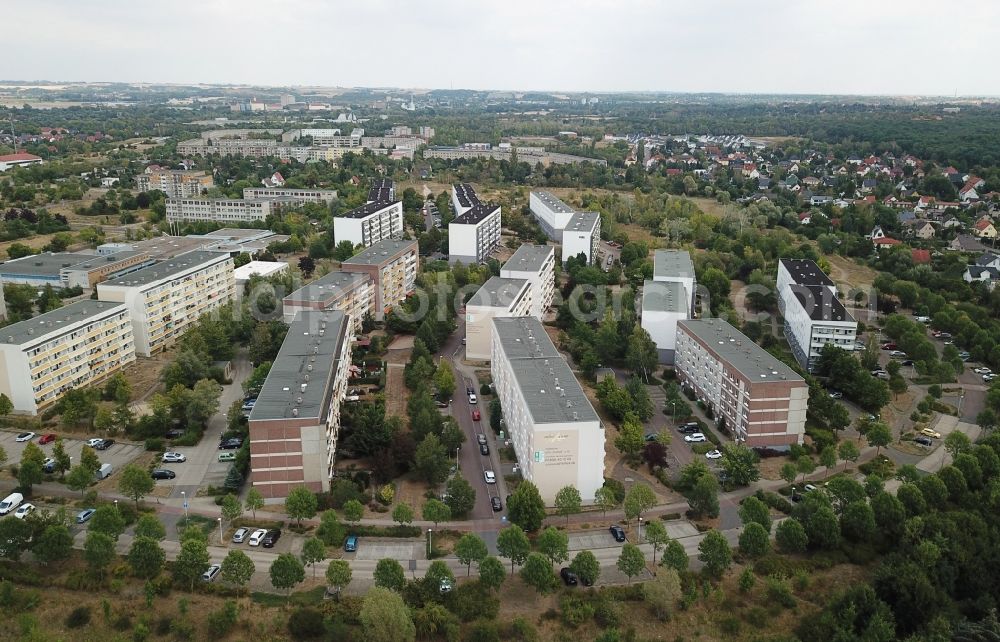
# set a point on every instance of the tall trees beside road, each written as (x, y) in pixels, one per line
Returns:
(525, 507)
(513, 544)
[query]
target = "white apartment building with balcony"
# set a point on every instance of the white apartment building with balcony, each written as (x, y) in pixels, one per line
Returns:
(667, 299)
(582, 235)
(474, 235)
(175, 183)
(498, 297)
(226, 210)
(676, 266)
(370, 223)
(813, 315)
(392, 267)
(165, 299)
(556, 433)
(76, 345)
(536, 264)
(759, 399)
(302, 195)
(351, 293)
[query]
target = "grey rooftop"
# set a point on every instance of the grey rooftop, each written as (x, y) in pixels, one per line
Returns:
(806, 272)
(476, 214)
(553, 202)
(380, 252)
(664, 296)
(327, 287)
(734, 347)
(673, 264)
(529, 258)
(498, 292)
(583, 222)
(368, 209)
(37, 327)
(47, 264)
(168, 268)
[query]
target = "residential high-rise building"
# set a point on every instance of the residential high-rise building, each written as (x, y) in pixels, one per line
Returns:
(295, 422)
(556, 433)
(370, 223)
(463, 198)
(392, 267)
(175, 183)
(759, 399)
(667, 299)
(326, 196)
(498, 297)
(582, 235)
(552, 214)
(383, 190)
(76, 345)
(813, 315)
(536, 264)
(226, 210)
(676, 265)
(165, 299)
(474, 235)
(345, 291)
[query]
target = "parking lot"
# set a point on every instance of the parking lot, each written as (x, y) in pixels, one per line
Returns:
(119, 455)
(375, 549)
(592, 540)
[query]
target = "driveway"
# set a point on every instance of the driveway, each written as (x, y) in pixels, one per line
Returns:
(118, 455)
(592, 540)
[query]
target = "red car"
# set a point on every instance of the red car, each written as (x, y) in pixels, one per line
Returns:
(888, 346)
(476, 416)
(49, 438)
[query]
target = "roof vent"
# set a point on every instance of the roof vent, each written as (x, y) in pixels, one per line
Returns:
(303, 388)
(575, 416)
(295, 412)
(542, 391)
(306, 377)
(298, 400)
(309, 368)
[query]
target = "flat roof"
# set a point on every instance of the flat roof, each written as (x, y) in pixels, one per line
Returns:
(820, 303)
(380, 252)
(466, 194)
(476, 214)
(304, 368)
(238, 233)
(104, 259)
(327, 287)
(553, 202)
(167, 247)
(806, 272)
(752, 361)
(551, 392)
(261, 268)
(380, 194)
(499, 292)
(167, 269)
(665, 296)
(24, 331)
(529, 258)
(583, 222)
(47, 264)
(368, 209)
(673, 264)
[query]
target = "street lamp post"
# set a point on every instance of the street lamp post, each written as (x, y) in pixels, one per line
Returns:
(430, 542)
(116, 508)
(220, 532)
(640, 530)
(184, 497)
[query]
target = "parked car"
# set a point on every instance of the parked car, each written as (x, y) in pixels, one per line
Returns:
(85, 515)
(617, 532)
(496, 504)
(94, 442)
(227, 456)
(47, 439)
(233, 443)
(906, 362)
(351, 544)
(271, 538)
(569, 578)
(981, 371)
(472, 399)
(880, 374)
(445, 585)
(808, 488)
(930, 432)
(924, 441)
(24, 510)
(714, 454)
(481, 438)
(484, 449)
(489, 477)
(476, 416)
(897, 354)
(836, 394)
(923, 319)
(652, 436)
(212, 572)
(441, 404)
(174, 433)
(688, 430)
(989, 377)
(163, 473)
(257, 536)
(105, 444)
(25, 436)
(49, 465)
(469, 390)
(695, 438)
(889, 346)
(240, 535)
(173, 458)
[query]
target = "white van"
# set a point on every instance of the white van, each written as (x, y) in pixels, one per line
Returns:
(11, 502)
(103, 472)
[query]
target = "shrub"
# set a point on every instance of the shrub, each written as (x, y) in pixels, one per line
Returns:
(756, 617)
(576, 611)
(607, 614)
(222, 621)
(80, 616)
(155, 444)
(182, 628)
(306, 623)
(472, 600)
(123, 622)
(730, 626)
(778, 591)
(483, 631)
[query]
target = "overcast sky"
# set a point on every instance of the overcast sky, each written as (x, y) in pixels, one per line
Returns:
(784, 46)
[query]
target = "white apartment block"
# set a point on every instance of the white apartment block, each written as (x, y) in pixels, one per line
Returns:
(474, 235)
(303, 195)
(759, 399)
(552, 214)
(295, 423)
(498, 297)
(663, 305)
(463, 198)
(676, 266)
(813, 315)
(77, 345)
(392, 267)
(165, 299)
(556, 434)
(370, 223)
(536, 264)
(225, 210)
(175, 183)
(352, 294)
(582, 235)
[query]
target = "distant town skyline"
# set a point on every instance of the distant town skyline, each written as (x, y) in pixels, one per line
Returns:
(855, 47)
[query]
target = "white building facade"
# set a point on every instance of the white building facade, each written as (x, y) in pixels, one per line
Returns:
(553, 214)
(474, 235)
(498, 297)
(536, 264)
(813, 315)
(370, 223)
(582, 235)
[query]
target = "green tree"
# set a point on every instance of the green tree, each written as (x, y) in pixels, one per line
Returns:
(537, 573)
(436, 511)
(192, 561)
(461, 496)
(956, 443)
(630, 436)
(857, 522)
(470, 548)
(146, 557)
(656, 535)
(641, 355)
(828, 458)
(639, 498)
(237, 568)
(525, 507)
(389, 574)
(605, 499)
(338, 574)
(353, 511)
(53, 545)
(805, 466)
(715, 553)
(789, 472)
(385, 617)
(135, 483)
(430, 460)
(286, 571)
(254, 501)
(754, 510)
(61, 457)
(491, 573)
(741, 464)
(89, 459)
(878, 435)
(79, 478)
(586, 567)
(108, 519)
(791, 536)
(568, 501)
(704, 497)
(631, 561)
(99, 551)
(149, 526)
(301, 503)
(553, 544)
(6, 405)
(513, 544)
(444, 380)
(232, 508)
(402, 514)
(452, 435)
(675, 557)
(313, 552)
(848, 451)
(29, 474)
(754, 540)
